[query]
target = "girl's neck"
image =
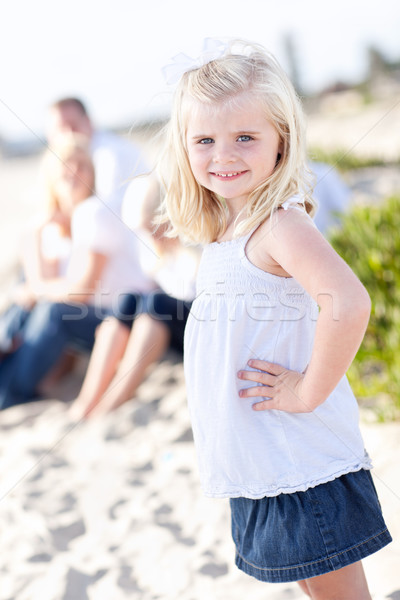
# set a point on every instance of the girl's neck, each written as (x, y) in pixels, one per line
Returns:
(232, 222)
(236, 213)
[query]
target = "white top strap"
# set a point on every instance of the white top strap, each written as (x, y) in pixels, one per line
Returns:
(294, 202)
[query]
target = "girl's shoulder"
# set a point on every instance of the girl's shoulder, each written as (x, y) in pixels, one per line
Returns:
(284, 234)
(290, 214)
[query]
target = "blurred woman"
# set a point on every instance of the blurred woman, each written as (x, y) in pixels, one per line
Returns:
(67, 297)
(46, 243)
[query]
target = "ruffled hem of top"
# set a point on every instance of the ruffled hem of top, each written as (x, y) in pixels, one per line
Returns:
(252, 494)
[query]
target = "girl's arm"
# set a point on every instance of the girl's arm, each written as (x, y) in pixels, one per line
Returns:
(296, 245)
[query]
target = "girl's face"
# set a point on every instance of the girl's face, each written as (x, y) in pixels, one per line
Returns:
(74, 181)
(232, 147)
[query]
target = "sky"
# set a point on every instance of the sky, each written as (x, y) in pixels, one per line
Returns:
(110, 53)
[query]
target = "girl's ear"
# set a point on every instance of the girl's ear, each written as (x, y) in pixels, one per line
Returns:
(280, 152)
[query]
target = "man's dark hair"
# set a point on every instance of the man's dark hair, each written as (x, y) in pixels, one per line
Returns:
(65, 102)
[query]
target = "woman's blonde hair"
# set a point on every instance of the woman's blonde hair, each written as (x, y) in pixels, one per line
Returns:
(69, 146)
(197, 214)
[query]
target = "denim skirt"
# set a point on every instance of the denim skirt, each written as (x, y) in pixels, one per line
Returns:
(301, 535)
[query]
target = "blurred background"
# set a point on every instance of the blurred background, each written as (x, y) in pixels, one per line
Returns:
(111, 52)
(343, 57)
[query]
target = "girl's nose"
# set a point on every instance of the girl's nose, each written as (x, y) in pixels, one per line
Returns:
(224, 153)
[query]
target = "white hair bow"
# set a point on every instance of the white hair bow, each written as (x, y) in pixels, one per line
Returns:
(212, 49)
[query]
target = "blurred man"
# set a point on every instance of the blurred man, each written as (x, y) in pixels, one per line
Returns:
(116, 160)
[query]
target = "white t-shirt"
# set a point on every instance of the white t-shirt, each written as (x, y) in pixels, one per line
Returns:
(96, 228)
(174, 271)
(55, 246)
(116, 161)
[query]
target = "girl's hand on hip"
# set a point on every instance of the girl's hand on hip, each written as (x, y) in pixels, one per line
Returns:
(280, 387)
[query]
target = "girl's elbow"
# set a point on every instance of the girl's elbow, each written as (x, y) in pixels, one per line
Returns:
(365, 304)
(358, 310)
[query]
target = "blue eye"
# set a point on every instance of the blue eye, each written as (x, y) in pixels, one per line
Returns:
(206, 141)
(244, 138)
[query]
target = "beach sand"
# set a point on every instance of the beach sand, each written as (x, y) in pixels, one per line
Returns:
(112, 508)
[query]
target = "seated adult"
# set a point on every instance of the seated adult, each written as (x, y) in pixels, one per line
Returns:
(103, 266)
(45, 246)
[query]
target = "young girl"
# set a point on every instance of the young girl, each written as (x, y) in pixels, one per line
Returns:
(277, 320)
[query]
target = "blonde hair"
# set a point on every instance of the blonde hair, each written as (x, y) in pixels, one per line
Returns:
(69, 146)
(196, 213)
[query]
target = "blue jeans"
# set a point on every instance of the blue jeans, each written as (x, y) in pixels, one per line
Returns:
(12, 323)
(50, 329)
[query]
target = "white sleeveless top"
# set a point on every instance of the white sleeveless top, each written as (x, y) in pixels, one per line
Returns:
(242, 312)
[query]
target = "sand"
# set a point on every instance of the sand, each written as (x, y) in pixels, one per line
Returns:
(112, 508)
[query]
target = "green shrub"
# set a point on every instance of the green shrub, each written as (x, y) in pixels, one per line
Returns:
(369, 241)
(344, 160)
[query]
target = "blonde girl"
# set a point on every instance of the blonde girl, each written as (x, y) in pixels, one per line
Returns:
(277, 320)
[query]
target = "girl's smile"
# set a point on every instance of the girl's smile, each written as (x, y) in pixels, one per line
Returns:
(228, 176)
(232, 147)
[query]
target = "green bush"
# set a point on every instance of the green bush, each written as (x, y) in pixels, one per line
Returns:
(344, 160)
(369, 241)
